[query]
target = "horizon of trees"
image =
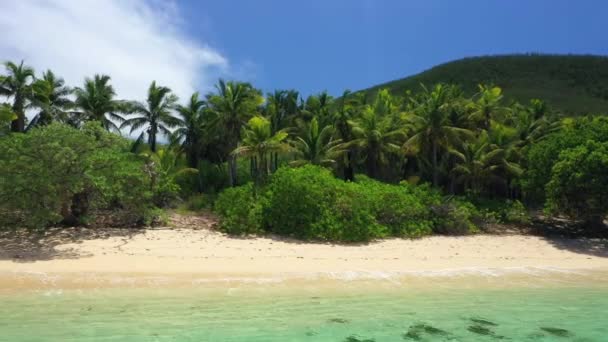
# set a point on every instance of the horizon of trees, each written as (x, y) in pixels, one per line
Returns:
(436, 135)
(474, 145)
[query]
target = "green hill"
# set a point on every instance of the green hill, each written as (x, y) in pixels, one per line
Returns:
(571, 84)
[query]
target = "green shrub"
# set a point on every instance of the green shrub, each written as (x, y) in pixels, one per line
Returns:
(199, 202)
(353, 218)
(404, 209)
(516, 212)
(61, 174)
(456, 217)
(239, 210)
(542, 155)
(579, 183)
(301, 203)
(310, 203)
(502, 211)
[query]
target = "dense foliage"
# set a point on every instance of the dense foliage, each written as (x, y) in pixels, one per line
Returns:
(579, 180)
(572, 84)
(310, 203)
(438, 158)
(542, 156)
(61, 174)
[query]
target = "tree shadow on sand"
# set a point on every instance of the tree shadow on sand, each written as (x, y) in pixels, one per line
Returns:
(29, 246)
(571, 236)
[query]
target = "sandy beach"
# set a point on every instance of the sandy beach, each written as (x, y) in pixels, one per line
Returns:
(189, 246)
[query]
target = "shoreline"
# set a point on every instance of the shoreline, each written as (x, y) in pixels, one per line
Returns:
(192, 250)
(454, 279)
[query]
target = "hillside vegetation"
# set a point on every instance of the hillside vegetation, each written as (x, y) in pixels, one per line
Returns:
(571, 84)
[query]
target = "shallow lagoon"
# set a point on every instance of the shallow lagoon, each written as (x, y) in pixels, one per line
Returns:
(467, 308)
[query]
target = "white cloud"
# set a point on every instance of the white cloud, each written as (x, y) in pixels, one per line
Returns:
(133, 41)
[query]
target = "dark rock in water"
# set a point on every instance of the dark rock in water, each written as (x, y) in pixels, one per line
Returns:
(559, 332)
(338, 320)
(429, 329)
(481, 330)
(483, 322)
(310, 333)
(412, 335)
(415, 332)
(536, 336)
(354, 338)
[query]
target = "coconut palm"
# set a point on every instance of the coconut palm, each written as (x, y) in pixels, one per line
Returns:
(479, 163)
(533, 122)
(17, 84)
(317, 146)
(487, 106)
(164, 167)
(319, 106)
(96, 101)
(258, 142)
(52, 98)
(233, 105)
(192, 124)
(281, 108)
(347, 109)
(154, 115)
(375, 139)
(430, 125)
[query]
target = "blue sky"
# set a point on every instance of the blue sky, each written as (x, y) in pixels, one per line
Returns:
(312, 45)
(308, 45)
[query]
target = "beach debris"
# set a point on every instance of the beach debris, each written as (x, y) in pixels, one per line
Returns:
(338, 320)
(355, 338)
(559, 332)
(416, 331)
(482, 321)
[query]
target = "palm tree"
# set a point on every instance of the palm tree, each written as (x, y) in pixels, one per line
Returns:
(96, 101)
(51, 97)
(17, 84)
(192, 125)
(258, 141)
(164, 167)
(375, 139)
(233, 105)
(532, 122)
(154, 115)
(319, 106)
(487, 106)
(431, 127)
(479, 162)
(316, 146)
(281, 107)
(346, 112)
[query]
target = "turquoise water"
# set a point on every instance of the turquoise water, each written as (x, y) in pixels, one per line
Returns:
(342, 311)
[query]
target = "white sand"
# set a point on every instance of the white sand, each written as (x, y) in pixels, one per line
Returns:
(193, 248)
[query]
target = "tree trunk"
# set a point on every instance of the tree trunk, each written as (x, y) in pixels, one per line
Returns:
(349, 172)
(80, 205)
(371, 165)
(435, 171)
(232, 170)
(18, 125)
(153, 140)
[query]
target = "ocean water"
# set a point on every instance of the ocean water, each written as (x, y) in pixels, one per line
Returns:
(430, 309)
